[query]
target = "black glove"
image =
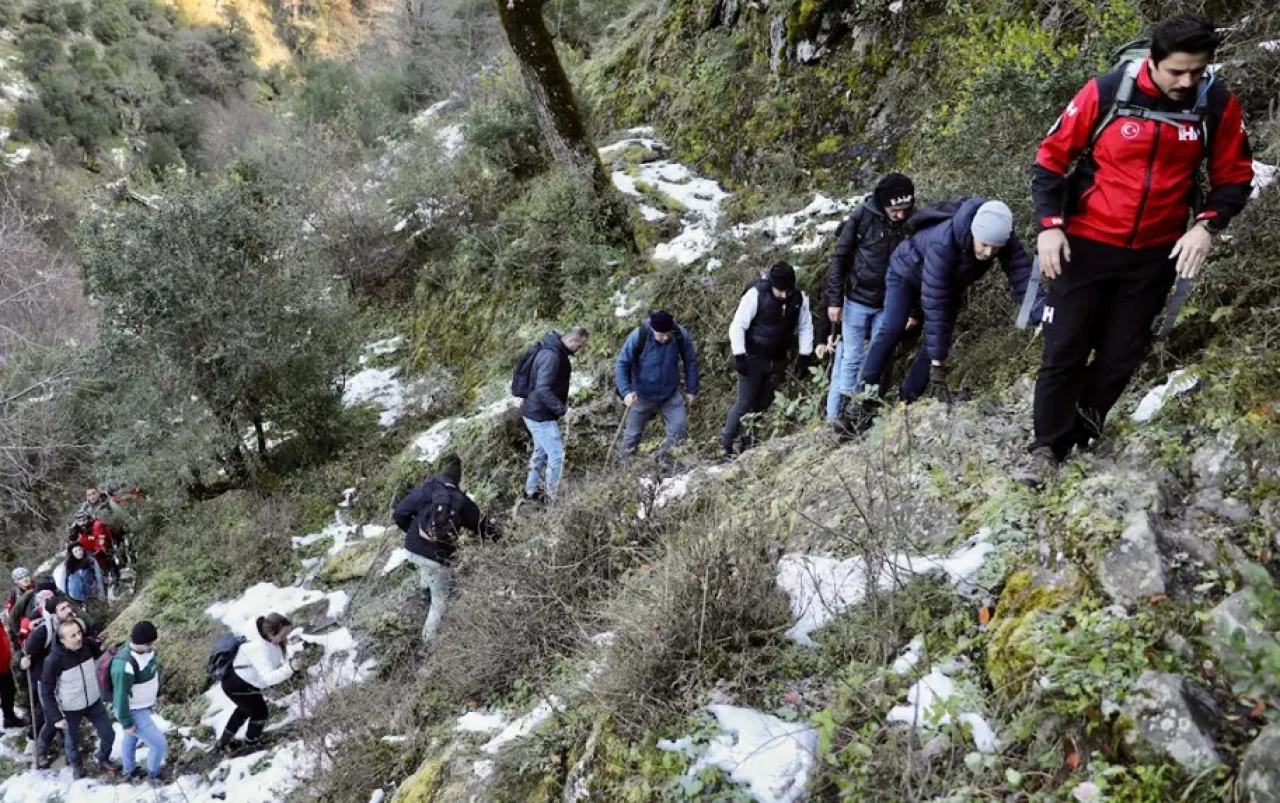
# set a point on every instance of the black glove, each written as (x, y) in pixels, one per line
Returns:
(938, 388)
(802, 365)
(742, 364)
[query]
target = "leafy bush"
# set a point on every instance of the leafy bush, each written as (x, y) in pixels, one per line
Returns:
(219, 294)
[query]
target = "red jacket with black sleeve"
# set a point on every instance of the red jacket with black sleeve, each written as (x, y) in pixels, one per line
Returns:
(1134, 190)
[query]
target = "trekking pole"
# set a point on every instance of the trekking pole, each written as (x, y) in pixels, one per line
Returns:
(1029, 296)
(35, 735)
(617, 436)
(1175, 306)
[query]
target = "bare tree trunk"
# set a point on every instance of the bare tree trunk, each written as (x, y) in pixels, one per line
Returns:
(261, 433)
(557, 111)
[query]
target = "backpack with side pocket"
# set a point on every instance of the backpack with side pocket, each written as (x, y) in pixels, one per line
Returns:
(224, 655)
(522, 377)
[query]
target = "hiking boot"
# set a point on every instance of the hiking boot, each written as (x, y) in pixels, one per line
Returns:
(726, 457)
(45, 760)
(1037, 467)
(161, 778)
(108, 767)
(138, 773)
(12, 721)
(77, 771)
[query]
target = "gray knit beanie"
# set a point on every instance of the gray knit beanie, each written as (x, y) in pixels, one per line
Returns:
(993, 224)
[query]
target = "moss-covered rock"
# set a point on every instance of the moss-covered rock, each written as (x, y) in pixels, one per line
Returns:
(353, 563)
(1014, 639)
(421, 787)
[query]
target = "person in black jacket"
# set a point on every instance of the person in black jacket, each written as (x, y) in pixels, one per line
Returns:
(430, 517)
(55, 609)
(856, 278)
(772, 316)
(69, 691)
(546, 404)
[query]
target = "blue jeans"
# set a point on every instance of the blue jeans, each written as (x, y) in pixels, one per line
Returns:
(859, 323)
(149, 734)
(97, 716)
(674, 414)
(547, 460)
(901, 296)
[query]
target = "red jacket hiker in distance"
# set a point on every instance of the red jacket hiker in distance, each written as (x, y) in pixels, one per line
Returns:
(1135, 190)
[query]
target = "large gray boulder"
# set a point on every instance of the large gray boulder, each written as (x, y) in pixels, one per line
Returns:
(1131, 570)
(1171, 720)
(1260, 769)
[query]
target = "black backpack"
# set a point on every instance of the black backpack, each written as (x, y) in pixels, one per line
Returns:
(932, 214)
(522, 377)
(224, 655)
(443, 515)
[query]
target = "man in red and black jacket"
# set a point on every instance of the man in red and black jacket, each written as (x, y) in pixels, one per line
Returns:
(1114, 230)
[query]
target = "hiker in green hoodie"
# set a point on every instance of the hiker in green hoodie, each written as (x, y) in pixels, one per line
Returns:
(135, 684)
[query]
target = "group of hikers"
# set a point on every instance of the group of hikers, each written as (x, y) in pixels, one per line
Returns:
(1115, 182)
(53, 636)
(1114, 185)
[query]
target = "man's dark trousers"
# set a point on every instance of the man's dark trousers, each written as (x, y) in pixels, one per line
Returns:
(756, 390)
(1104, 303)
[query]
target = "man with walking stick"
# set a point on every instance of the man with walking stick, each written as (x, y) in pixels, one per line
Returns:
(648, 373)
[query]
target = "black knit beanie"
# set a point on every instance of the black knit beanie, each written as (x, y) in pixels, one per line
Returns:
(451, 468)
(782, 277)
(895, 189)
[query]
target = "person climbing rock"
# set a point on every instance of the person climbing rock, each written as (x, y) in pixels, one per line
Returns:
(431, 517)
(647, 374)
(954, 246)
(260, 663)
(55, 610)
(84, 580)
(856, 279)
(70, 693)
(8, 687)
(98, 540)
(135, 684)
(1114, 233)
(773, 318)
(545, 403)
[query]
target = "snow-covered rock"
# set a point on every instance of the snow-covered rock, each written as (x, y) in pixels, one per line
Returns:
(771, 758)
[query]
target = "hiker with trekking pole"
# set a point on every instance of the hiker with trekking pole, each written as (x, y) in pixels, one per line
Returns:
(1115, 182)
(647, 374)
(855, 281)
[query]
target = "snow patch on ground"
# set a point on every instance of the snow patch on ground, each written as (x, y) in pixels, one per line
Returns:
(821, 587)
(785, 230)
(483, 721)
(380, 348)
(668, 491)
(524, 726)
(699, 198)
(399, 557)
(771, 758)
(909, 658)
(1263, 176)
(926, 708)
(430, 445)
(1179, 382)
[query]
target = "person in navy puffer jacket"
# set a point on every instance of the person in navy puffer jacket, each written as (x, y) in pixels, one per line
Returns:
(930, 271)
(648, 375)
